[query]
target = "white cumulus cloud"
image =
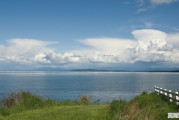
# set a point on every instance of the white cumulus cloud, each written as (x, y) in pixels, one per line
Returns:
(173, 39)
(21, 50)
(149, 39)
(31, 51)
(50, 57)
(147, 45)
(109, 44)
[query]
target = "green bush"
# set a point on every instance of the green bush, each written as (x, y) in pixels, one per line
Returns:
(17, 102)
(13, 99)
(84, 100)
(144, 106)
(22, 101)
(117, 106)
(5, 111)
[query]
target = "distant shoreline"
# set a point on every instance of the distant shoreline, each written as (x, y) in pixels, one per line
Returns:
(93, 70)
(89, 70)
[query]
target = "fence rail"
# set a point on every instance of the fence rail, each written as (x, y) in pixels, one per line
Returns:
(173, 96)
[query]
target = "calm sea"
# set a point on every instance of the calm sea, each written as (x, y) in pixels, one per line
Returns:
(106, 86)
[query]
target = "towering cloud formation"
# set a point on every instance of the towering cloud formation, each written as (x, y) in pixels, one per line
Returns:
(149, 39)
(149, 45)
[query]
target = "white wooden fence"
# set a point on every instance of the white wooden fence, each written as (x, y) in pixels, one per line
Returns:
(173, 96)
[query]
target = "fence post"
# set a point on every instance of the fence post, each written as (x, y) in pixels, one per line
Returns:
(158, 90)
(155, 90)
(165, 93)
(161, 92)
(170, 95)
(177, 98)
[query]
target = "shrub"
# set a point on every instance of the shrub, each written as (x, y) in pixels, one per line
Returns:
(117, 106)
(84, 100)
(22, 101)
(4, 111)
(13, 99)
(32, 101)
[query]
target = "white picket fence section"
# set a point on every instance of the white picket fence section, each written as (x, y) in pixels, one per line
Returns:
(173, 96)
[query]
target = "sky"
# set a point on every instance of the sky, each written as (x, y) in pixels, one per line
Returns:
(89, 34)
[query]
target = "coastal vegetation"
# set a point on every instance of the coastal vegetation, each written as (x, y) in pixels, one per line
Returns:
(27, 106)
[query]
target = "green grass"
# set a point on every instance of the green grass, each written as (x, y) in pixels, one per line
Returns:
(26, 106)
(90, 112)
(23, 101)
(144, 107)
(31, 107)
(18, 102)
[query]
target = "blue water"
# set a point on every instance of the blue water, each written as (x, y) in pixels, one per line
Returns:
(106, 86)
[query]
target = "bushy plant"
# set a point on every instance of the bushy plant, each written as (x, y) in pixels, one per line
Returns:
(84, 100)
(20, 101)
(117, 106)
(13, 99)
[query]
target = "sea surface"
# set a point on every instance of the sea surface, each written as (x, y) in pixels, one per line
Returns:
(106, 86)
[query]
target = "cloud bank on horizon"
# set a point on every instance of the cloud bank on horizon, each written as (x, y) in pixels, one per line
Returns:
(147, 45)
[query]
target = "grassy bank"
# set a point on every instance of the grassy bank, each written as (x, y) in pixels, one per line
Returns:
(26, 106)
(143, 107)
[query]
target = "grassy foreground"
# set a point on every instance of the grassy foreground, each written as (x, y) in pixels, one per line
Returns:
(91, 112)
(26, 106)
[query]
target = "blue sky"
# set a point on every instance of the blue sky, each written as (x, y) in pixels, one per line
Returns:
(100, 34)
